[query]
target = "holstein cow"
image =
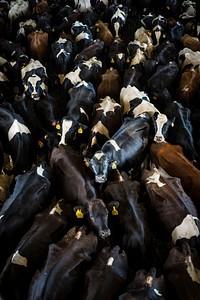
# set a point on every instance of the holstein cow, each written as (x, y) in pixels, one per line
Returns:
(188, 58)
(182, 269)
(118, 14)
(82, 6)
(130, 232)
(171, 207)
(146, 285)
(38, 45)
(35, 79)
(173, 161)
(48, 227)
(143, 36)
(66, 263)
(89, 71)
(17, 8)
(181, 133)
(16, 139)
(125, 150)
(158, 32)
(81, 34)
(25, 28)
(110, 267)
(75, 184)
(105, 121)
(117, 55)
(110, 84)
(62, 52)
(26, 200)
(78, 112)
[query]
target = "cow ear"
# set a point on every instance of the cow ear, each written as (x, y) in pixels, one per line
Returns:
(112, 206)
(79, 211)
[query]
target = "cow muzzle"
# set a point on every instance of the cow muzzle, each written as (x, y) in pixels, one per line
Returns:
(159, 138)
(104, 233)
(35, 96)
(100, 178)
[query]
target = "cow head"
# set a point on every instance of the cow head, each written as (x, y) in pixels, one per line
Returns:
(161, 125)
(99, 164)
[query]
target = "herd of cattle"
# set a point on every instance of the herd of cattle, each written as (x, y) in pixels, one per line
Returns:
(99, 149)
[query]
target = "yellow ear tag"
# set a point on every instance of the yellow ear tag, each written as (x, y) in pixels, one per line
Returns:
(128, 60)
(114, 165)
(155, 98)
(164, 35)
(97, 30)
(112, 61)
(40, 144)
(79, 214)
(87, 163)
(22, 67)
(80, 130)
(58, 126)
(172, 124)
(114, 211)
(53, 29)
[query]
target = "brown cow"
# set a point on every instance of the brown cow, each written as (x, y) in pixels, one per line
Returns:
(40, 7)
(110, 84)
(190, 42)
(173, 161)
(188, 90)
(38, 45)
(103, 32)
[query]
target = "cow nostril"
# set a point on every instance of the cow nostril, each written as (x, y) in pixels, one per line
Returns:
(105, 233)
(158, 138)
(100, 178)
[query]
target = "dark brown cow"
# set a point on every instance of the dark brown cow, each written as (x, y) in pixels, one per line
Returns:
(107, 275)
(182, 269)
(188, 90)
(65, 266)
(173, 161)
(40, 7)
(171, 207)
(146, 286)
(110, 84)
(38, 45)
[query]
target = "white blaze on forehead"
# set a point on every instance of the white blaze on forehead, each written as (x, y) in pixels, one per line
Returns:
(119, 14)
(192, 271)
(98, 155)
(56, 209)
(78, 235)
(62, 51)
(155, 178)
(157, 34)
(114, 144)
(61, 41)
(116, 27)
(15, 128)
(73, 76)
(143, 107)
(19, 260)
(40, 170)
(110, 261)
(107, 105)
(130, 93)
(186, 229)
(66, 125)
(160, 121)
(82, 36)
(99, 128)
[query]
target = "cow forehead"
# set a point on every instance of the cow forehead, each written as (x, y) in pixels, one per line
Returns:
(98, 155)
(161, 118)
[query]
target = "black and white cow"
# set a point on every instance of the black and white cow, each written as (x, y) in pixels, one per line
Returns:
(81, 34)
(35, 79)
(23, 204)
(62, 52)
(106, 120)
(78, 111)
(119, 14)
(16, 139)
(126, 149)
